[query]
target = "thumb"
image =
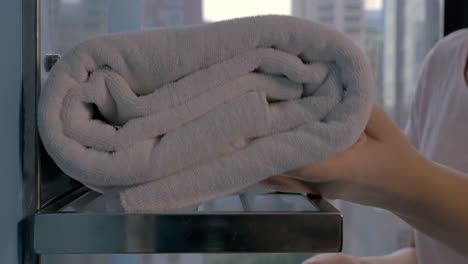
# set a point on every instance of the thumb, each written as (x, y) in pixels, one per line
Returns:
(331, 258)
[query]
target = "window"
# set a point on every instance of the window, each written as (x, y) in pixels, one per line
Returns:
(171, 18)
(175, 2)
(353, 7)
(327, 7)
(327, 20)
(396, 35)
(352, 30)
(352, 19)
(149, 21)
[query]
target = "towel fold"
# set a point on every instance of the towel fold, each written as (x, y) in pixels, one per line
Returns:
(170, 118)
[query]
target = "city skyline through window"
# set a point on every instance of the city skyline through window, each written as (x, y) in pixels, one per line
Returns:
(215, 10)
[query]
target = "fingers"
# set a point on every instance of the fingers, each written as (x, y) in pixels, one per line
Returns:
(322, 171)
(332, 258)
(286, 183)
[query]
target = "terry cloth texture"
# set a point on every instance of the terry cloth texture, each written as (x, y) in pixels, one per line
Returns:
(169, 118)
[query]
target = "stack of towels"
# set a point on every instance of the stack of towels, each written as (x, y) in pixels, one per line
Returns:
(167, 119)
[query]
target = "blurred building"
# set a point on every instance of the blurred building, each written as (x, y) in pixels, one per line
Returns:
(411, 29)
(170, 13)
(124, 15)
(67, 23)
(345, 16)
(374, 48)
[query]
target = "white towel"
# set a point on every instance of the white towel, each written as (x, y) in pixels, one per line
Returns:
(170, 118)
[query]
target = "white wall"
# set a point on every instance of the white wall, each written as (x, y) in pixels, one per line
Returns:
(10, 156)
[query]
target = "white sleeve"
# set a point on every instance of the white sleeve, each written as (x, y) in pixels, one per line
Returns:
(412, 128)
(419, 103)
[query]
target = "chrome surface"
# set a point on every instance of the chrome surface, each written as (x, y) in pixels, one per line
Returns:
(292, 224)
(31, 86)
(30, 90)
(52, 183)
(43, 181)
(50, 60)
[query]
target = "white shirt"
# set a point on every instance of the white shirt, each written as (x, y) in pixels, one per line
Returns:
(438, 125)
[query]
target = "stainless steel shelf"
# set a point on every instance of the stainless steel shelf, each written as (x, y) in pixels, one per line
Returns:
(267, 223)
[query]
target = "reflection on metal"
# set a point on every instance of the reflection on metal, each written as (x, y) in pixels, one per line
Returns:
(50, 60)
(292, 223)
(30, 81)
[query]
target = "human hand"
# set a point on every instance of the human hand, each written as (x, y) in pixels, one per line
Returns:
(332, 259)
(383, 170)
(402, 256)
(379, 169)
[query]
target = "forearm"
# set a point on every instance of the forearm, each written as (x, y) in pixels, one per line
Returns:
(403, 256)
(435, 201)
(383, 170)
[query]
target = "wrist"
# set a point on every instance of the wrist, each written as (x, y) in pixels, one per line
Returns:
(405, 190)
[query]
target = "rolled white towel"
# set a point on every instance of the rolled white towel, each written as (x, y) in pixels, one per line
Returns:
(170, 118)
